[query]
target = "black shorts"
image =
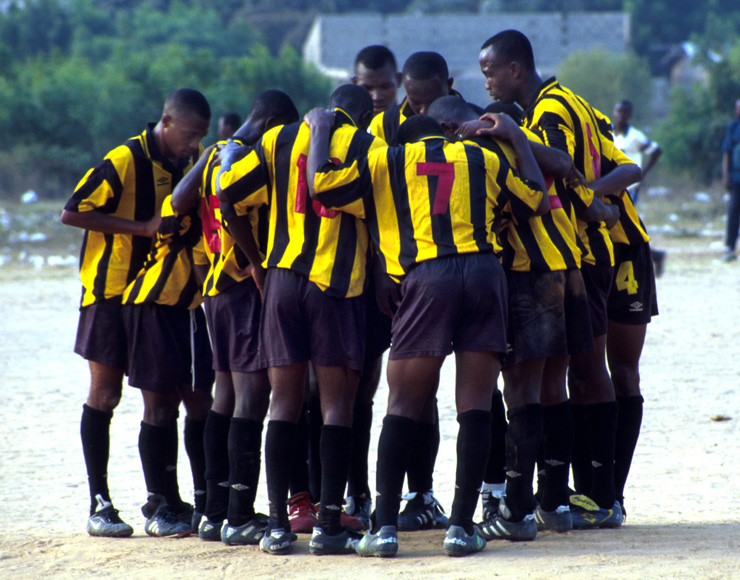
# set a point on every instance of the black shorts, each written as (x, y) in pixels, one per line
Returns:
(451, 303)
(160, 341)
(548, 315)
(101, 336)
(598, 280)
(301, 323)
(234, 324)
(632, 298)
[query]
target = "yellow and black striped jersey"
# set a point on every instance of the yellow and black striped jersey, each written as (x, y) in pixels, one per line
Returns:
(130, 183)
(168, 276)
(329, 248)
(227, 261)
(570, 124)
(540, 243)
(428, 199)
(629, 229)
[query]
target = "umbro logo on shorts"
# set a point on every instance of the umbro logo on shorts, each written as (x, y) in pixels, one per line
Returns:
(636, 307)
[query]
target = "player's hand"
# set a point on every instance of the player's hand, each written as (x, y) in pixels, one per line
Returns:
(151, 226)
(470, 128)
(612, 220)
(503, 127)
(575, 178)
(319, 119)
(258, 275)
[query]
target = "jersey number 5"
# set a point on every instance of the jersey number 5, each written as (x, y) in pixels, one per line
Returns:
(446, 174)
(302, 192)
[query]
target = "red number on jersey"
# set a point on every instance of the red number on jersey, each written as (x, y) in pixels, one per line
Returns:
(211, 222)
(302, 191)
(446, 174)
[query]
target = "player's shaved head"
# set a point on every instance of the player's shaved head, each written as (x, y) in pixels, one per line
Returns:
(451, 110)
(354, 100)
(422, 66)
(276, 105)
(375, 57)
(418, 127)
(187, 102)
(512, 46)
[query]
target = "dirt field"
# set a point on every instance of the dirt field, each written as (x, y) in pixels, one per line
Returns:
(682, 498)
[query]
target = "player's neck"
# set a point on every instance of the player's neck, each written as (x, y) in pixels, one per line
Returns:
(530, 90)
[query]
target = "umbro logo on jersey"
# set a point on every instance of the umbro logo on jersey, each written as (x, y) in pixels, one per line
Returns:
(239, 486)
(163, 181)
(636, 307)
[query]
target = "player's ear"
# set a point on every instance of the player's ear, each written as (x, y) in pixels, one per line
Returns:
(450, 82)
(166, 120)
(354, 80)
(399, 79)
(365, 118)
(449, 129)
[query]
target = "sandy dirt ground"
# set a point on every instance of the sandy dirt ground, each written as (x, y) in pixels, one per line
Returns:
(682, 497)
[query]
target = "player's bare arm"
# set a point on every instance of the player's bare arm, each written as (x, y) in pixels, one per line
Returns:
(187, 191)
(599, 211)
(320, 121)
(616, 180)
(97, 221)
(240, 229)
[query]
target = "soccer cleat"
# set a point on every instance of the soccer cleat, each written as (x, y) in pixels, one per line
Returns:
(558, 520)
(587, 514)
(302, 514)
(247, 534)
(277, 541)
(384, 544)
(187, 515)
(343, 543)
(359, 507)
(490, 503)
(209, 531)
(459, 543)
(422, 512)
(500, 526)
(166, 522)
(105, 522)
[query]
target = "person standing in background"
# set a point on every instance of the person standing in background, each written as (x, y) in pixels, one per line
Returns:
(731, 181)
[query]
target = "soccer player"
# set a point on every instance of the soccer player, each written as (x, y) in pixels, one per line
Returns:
(430, 211)
(233, 432)
(118, 205)
(170, 361)
(312, 311)
(567, 122)
(425, 78)
(377, 72)
(548, 319)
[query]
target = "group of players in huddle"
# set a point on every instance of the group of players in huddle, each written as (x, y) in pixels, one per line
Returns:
(504, 235)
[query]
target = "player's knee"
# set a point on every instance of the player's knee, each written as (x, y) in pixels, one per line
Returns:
(104, 397)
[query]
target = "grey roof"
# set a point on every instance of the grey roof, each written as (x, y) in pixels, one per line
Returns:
(334, 40)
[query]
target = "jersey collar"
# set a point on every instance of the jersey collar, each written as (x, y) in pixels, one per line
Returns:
(544, 87)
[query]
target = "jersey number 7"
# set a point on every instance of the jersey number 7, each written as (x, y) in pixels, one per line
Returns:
(446, 174)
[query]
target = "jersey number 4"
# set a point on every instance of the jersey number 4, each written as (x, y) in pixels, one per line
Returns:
(446, 174)
(625, 279)
(301, 196)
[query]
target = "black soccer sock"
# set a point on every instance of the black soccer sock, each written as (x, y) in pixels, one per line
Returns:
(357, 482)
(336, 449)
(423, 457)
(473, 447)
(153, 453)
(522, 441)
(245, 445)
(496, 466)
(215, 444)
(315, 422)
(196, 454)
(393, 456)
(628, 432)
(172, 486)
(581, 456)
(95, 435)
(299, 460)
(280, 440)
(557, 446)
(601, 423)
